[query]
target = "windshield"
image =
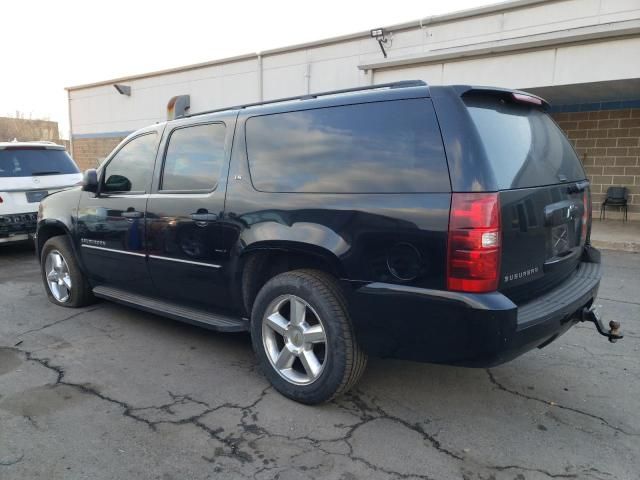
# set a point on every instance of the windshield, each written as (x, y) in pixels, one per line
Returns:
(27, 162)
(524, 146)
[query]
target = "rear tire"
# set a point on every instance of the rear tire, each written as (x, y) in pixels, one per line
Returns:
(303, 338)
(64, 282)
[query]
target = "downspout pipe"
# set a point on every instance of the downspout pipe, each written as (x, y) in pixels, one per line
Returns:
(307, 77)
(70, 123)
(260, 79)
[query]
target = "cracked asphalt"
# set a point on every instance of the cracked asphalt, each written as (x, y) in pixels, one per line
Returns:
(108, 392)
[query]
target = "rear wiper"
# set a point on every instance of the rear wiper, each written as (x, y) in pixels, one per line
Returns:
(46, 172)
(578, 187)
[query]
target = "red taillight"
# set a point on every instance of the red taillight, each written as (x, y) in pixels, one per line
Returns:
(1, 200)
(474, 242)
(586, 214)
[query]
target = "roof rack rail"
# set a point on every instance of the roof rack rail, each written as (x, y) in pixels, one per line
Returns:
(40, 142)
(401, 84)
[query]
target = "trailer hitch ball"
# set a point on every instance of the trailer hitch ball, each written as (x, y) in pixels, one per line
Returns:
(614, 331)
(613, 334)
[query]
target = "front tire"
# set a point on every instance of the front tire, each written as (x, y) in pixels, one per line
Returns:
(303, 338)
(64, 282)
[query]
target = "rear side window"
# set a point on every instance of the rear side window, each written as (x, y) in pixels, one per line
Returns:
(27, 162)
(194, 158)
(381, 147)
(523, 145)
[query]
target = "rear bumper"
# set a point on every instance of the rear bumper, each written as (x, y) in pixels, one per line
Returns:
(17, 227)
(477, 330)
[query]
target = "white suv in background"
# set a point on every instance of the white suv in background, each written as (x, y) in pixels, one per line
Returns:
(29, 171)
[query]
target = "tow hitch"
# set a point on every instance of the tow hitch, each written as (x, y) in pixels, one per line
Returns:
(613, 334)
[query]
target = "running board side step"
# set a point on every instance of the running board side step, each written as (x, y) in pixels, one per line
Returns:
(202, 318)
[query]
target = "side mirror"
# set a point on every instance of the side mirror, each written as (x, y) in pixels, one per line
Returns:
(90, 180)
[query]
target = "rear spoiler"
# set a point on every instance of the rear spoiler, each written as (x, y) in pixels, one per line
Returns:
(517, 96)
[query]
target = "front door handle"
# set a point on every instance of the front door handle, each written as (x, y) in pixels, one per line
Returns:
(132, 214)
(204, 217)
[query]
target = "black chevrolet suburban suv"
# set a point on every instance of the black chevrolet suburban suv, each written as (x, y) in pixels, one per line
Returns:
(443, 224)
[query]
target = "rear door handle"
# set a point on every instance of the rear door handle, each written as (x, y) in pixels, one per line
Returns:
(204, 217)
(560, 212)
(132, 214)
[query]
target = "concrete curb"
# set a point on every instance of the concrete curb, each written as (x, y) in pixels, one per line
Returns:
(616, 235)
(633, 247)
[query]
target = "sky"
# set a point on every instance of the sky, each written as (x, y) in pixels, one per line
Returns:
(51, 44)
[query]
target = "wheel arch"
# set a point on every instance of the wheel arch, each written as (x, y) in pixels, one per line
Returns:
(262, 261)
(52, 228)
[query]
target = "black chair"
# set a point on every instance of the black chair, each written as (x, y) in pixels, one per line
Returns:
(616, 197)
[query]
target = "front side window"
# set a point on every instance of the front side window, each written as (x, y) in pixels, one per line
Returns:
(194, 158)
(131, 169)
(381, 147)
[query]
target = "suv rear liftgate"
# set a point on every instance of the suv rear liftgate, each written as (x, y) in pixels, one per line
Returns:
(545, 210)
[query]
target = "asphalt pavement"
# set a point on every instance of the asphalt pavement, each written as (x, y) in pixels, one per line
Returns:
(108, 392)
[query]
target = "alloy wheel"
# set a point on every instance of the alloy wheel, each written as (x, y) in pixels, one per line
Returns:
(58, 276)
(294, 339)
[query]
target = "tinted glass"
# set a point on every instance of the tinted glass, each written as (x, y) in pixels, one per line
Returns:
(27, 162)
(132, 167)
(194, 158)
(378, 147)
(524, 146)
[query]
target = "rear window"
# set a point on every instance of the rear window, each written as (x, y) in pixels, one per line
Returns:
(524, 146)
(27, 162)
(381, 147)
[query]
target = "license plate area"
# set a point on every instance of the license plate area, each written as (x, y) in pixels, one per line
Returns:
(36, 196)
(560, 240)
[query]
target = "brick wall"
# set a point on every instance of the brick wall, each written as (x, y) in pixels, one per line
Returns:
(89, 152)
(608, 143)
